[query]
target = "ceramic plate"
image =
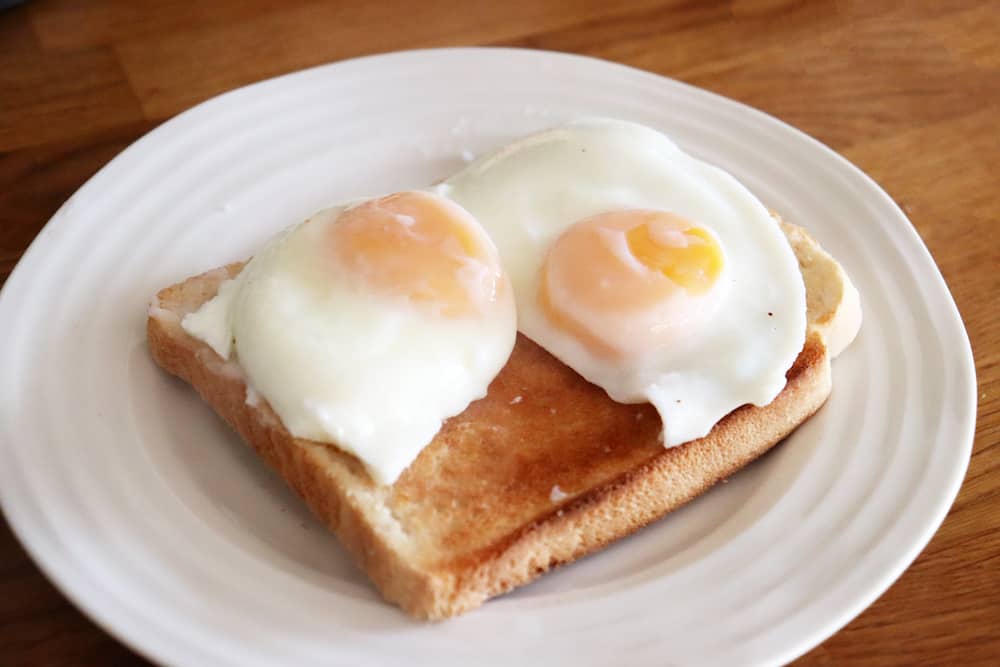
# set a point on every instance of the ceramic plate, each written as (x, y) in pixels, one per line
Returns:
(150, 515)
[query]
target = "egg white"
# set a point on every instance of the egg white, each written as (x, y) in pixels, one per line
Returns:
(529, 192)
(374, 374)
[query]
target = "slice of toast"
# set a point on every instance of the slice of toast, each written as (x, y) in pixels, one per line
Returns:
(543, 470)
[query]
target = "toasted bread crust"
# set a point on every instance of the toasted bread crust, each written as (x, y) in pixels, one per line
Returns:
(641, 495)
(475, 515)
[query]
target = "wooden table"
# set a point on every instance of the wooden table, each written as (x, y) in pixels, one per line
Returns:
(908, 91)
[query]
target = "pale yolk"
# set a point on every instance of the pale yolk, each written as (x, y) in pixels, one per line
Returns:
(420, 246)
(625, 279)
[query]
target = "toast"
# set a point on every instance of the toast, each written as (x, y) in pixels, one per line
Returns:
(543, 470)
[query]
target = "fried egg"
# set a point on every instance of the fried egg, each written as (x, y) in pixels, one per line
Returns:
(654, 275)
(368, 324)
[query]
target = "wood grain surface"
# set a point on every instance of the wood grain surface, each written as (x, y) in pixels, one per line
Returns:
(908, 91)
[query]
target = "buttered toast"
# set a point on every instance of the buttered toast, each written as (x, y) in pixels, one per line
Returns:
(543, 470)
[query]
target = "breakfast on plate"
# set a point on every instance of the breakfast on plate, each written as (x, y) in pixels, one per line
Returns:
(478, 381)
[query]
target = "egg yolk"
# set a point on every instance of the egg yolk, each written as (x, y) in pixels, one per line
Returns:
(628, 280)
(419, 246)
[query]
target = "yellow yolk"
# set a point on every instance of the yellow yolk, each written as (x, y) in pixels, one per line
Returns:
(420, 246)
(687, 255)
(624, 280)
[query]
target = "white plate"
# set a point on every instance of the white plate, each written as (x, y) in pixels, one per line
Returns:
(153, 518)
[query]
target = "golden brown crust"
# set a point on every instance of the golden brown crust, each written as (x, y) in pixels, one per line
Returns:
(477, 513)
(644, 493)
